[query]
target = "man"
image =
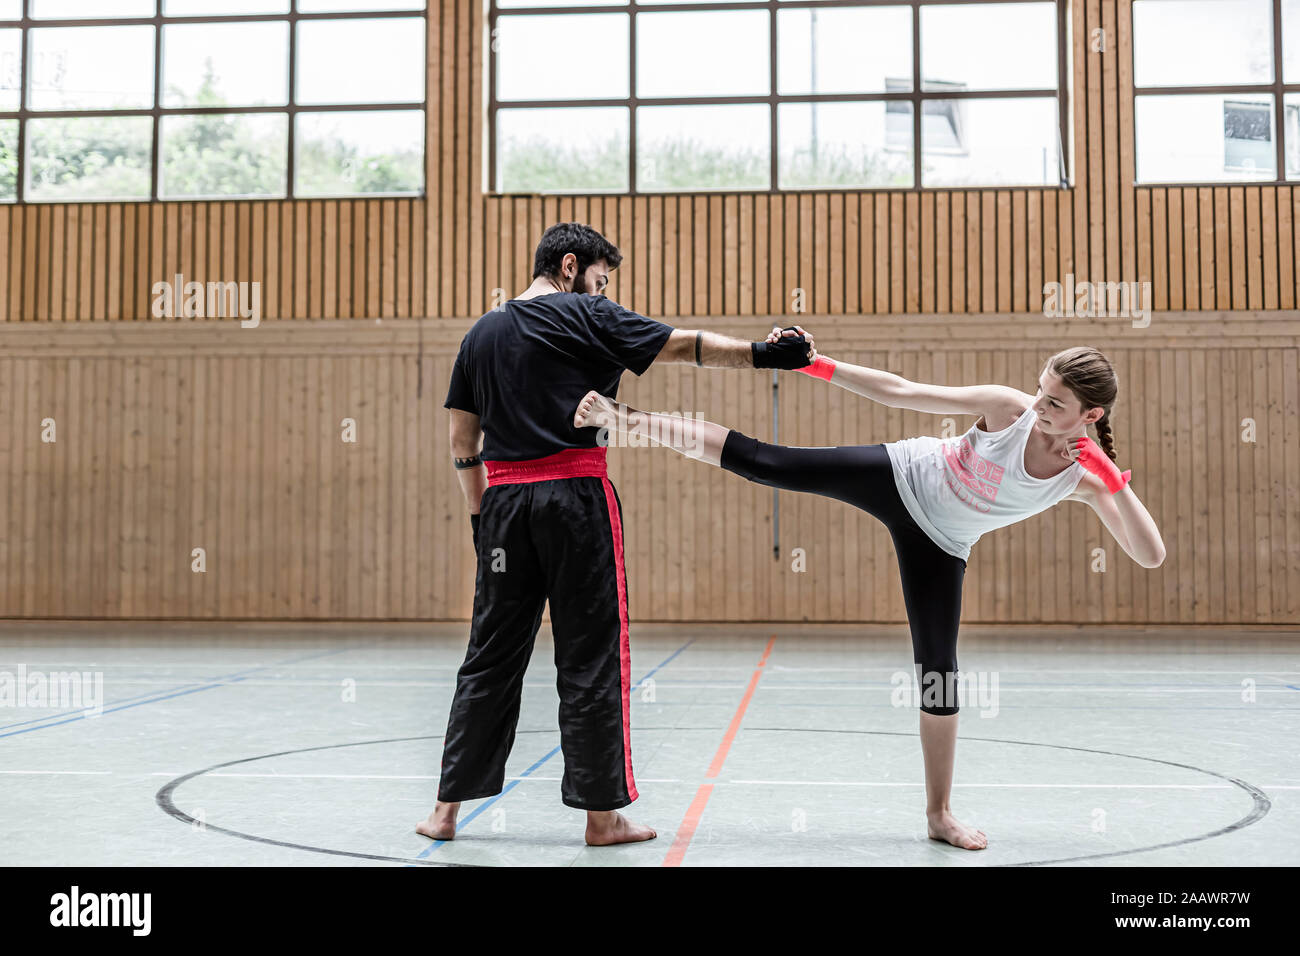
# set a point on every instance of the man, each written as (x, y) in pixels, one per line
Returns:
(548, 524)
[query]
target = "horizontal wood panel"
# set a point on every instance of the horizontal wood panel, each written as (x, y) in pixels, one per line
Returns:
(172, 437)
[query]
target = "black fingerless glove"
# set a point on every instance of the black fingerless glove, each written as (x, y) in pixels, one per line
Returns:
(789, 352)
(473, 524)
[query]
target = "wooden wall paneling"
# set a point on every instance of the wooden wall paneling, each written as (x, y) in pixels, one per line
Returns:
(1278, 555)
(1286, 249)
(1291, 415)
(1237, 239)
(943, 235)
(1190, 252)
(1174, 247)
(1218, 441)
(912, 256)
(1160, 249)
(7, 285)
(1257, 520)
(1253, 292)
(1017, 295)
(1268, 243)
(1002, 228)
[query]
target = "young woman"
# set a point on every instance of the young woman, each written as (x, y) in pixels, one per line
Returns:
(937, 496)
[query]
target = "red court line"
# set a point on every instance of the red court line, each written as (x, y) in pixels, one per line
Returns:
(686, 832)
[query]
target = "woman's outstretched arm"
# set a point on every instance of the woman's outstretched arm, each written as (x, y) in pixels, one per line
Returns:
(1120, 511)
(898, 392)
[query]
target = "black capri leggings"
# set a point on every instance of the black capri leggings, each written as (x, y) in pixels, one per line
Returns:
(862, 476)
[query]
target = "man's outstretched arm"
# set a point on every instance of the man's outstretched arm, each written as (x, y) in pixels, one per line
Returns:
(722, 351)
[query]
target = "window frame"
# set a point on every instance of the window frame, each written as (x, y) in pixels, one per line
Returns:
(291, 109)
(1277, 88)
(916, 96)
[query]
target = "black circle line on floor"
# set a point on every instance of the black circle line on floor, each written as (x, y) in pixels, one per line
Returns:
(1261, 803)
(164, 800)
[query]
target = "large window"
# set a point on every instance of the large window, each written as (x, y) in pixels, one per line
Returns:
(1217, 90)
(674, 95)
(204, 99)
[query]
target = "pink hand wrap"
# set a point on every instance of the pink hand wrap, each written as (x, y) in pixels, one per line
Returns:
(821, 368)
(1098, 462)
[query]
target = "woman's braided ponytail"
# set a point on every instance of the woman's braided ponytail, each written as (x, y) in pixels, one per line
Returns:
(1104, 436)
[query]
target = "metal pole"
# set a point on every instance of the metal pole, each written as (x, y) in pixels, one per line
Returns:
(776, 501)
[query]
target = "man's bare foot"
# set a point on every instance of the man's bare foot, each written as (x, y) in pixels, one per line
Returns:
(441, 824)
(596, 411)
(607, 827)
(944, 826)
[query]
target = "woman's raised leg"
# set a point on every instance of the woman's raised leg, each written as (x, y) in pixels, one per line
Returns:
(857, 474)
(694, 439)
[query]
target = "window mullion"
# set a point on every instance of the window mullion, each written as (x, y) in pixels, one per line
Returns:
(155, 156)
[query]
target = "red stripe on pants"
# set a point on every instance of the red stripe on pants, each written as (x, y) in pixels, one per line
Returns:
(624, 648)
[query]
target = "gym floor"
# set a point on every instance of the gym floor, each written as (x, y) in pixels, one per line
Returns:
(783, 744)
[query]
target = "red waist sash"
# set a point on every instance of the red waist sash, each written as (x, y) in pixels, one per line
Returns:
(570, 463)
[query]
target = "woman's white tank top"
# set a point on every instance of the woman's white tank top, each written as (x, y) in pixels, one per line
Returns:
(958, 488)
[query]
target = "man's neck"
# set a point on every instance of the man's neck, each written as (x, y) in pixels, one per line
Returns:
(541, 286)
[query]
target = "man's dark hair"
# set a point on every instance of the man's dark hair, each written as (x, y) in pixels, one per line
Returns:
(583, 241)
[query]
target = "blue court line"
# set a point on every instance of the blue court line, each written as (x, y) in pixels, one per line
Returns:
(479, 810)
(65, 713)
(667, 660)
(150, 693)
(183, 689)
(171, 691)
(222, 681)
(513, 783)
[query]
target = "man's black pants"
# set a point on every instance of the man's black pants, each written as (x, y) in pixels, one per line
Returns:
(559, 540)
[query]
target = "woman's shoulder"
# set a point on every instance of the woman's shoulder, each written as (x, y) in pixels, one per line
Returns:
(1007, 407)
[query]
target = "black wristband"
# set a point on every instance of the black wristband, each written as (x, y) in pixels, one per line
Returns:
(789, 352)
(473, 527)
(699, 338)
(471, 462)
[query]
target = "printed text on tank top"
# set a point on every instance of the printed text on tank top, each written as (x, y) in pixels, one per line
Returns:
(959, 488)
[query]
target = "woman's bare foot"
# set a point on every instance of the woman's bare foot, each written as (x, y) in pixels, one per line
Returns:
(944, 826)
(441, 824)
(607, 827)
(596, 411)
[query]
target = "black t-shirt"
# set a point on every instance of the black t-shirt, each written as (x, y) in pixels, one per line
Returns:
(523, 369)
